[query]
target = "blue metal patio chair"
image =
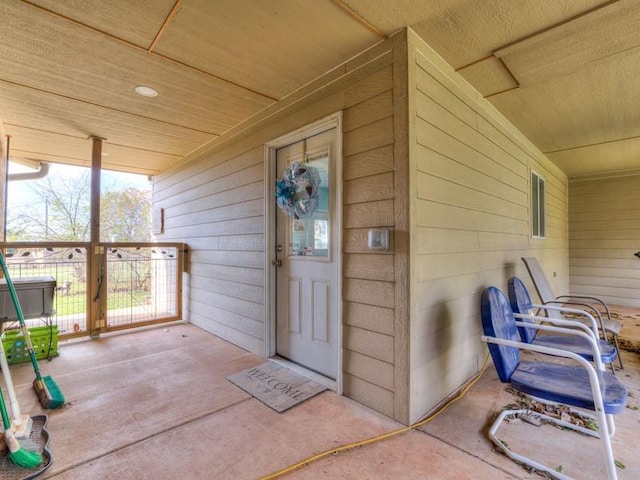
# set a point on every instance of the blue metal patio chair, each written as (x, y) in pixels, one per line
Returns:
(524, 309)
(581, 385)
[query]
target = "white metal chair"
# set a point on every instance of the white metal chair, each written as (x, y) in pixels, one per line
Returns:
(595, 305)
(582, 386)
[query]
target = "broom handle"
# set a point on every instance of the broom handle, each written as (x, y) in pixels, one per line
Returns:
(25, 330)
(13, 399)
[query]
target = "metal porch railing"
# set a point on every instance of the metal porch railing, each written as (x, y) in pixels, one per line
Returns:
(104, 287)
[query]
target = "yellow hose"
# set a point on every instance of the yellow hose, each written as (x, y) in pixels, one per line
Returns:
(383, 436)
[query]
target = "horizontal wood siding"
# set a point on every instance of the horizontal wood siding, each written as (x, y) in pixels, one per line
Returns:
(369, 278)
(219, 212)
(215, 204)
(469, 194)
(604, 234)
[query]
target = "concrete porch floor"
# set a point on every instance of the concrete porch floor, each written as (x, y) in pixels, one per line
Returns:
(155, 404)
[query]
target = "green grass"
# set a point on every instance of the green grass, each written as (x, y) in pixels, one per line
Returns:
(76, 302)
(70, 304)
(128, 278)
(117, 300)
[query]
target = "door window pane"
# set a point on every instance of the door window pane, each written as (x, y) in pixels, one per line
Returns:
(309, 237)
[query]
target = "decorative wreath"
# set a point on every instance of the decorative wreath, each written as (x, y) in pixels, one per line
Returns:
(297, 190)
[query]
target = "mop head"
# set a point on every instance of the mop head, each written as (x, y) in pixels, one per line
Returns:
(18, 455)
(48, 392)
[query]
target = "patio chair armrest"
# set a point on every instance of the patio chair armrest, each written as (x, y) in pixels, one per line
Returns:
(554, 352)
(574, 330)
(565, 327)
(564, 324)
(575, 311)
(587, 297)
(595, 311)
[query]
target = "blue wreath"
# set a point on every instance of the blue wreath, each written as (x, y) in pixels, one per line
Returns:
(297, 190)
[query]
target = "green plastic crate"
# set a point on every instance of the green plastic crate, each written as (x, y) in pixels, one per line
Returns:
(43, 339)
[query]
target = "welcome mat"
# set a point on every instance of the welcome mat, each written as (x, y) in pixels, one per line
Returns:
(276, 386)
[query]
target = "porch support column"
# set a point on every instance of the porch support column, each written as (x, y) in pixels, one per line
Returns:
(97, 266)
(96, 167)
(4, 176)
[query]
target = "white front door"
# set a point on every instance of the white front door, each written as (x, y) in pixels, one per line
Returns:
(307, 298)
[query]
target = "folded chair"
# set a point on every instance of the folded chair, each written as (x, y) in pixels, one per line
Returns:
(594, 304)
(525, 310)
(578, 384)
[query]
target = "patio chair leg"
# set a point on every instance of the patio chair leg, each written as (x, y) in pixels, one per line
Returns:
(604, 435)
(611, 425)
(518, 458)
(615, 340)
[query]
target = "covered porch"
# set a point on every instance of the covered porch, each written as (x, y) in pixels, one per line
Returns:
(470, 134)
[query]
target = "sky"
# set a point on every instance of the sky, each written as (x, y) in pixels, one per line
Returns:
(21, 195)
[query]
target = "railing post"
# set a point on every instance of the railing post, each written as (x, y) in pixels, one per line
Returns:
(98, 282)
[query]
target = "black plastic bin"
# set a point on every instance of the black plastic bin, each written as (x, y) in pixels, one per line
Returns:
(35, 295)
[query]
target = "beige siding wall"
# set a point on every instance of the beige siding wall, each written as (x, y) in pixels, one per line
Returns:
(216, 204)
(469, 197)
(604, 233)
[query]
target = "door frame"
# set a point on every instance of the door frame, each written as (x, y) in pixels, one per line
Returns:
(327, 123)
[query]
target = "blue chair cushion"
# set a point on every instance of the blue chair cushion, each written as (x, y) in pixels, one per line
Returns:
(568, 384)
(577, 345)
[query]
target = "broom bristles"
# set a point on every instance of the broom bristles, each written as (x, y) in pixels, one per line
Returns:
(26, 458)
(48, 392)
(57, 397)
(20, 456)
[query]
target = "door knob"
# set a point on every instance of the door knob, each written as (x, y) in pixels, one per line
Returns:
(277, 263)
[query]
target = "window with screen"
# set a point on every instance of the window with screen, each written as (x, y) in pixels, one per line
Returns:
(538, 226)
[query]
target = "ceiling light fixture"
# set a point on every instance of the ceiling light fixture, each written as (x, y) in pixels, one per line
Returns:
(146, 91)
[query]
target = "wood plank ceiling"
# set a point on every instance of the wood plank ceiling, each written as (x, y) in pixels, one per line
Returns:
(565, 73)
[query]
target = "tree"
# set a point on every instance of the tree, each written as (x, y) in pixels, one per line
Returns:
(125, 216)
(57, 208)
(60, 209)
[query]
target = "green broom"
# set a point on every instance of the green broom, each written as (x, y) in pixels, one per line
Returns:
(48, 391)
(18, 455)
